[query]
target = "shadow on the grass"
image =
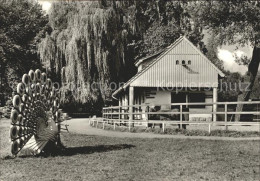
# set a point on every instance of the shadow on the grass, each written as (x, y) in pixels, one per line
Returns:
(70, 151)
(94, 149)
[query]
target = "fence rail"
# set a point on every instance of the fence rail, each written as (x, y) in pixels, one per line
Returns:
(118, 115)
(188, 104)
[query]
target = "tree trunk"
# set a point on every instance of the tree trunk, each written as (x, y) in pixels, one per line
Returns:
(252, 69)
(158, 10)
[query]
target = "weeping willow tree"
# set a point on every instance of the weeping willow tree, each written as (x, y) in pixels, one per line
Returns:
(88, 49)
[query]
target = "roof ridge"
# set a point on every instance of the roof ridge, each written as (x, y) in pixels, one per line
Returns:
(159, 52)
(148, 57)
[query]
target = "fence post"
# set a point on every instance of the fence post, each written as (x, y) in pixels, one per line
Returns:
(119, 116)
(226, 127)
(215, 105)
(114, 125)
(103, 125)
(129, 124)
(209, 128)
(103, 113)
(111, 114)
(163, 127)
(181, 116)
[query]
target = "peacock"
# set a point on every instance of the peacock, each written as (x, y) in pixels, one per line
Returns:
(35, 116)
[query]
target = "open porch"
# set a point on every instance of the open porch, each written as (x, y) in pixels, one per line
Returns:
(146, 99)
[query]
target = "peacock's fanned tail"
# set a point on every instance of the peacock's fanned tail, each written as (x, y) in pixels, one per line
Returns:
(35, 117)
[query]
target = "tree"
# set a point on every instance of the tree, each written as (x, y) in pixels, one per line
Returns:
(212, 52)
(166, 21)
(21, 21)
(234, 22)
(88, 48)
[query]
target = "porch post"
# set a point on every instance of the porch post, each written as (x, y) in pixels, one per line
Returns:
(120, 101)
(120, 109)
(215, 99)
(131, 102)
(187, 100)
(126, 104)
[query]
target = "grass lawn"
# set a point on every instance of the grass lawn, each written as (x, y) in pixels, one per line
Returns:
(103, 158)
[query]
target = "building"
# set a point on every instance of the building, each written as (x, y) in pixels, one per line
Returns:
(179, 74)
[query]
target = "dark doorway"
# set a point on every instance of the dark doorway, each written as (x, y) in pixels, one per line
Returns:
(197, 98)
(179, 97)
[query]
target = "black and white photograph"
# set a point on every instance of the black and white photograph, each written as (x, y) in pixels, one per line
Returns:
(129, 90)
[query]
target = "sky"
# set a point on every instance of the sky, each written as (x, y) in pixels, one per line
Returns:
(225, 53)
(46, 5)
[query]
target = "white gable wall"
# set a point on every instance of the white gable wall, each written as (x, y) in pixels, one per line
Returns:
(165, 73)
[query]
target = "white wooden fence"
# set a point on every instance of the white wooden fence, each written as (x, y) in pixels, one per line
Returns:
(119, 115)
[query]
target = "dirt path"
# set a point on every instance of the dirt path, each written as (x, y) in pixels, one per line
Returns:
(82, 126)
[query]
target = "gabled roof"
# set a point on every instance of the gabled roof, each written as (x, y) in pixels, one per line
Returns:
(182, 38)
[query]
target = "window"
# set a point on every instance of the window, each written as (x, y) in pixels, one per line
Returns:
(177, 62)
(189, 62)
(197, 98)
(183, 62)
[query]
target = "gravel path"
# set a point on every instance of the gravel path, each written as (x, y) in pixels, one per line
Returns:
(82, 126)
